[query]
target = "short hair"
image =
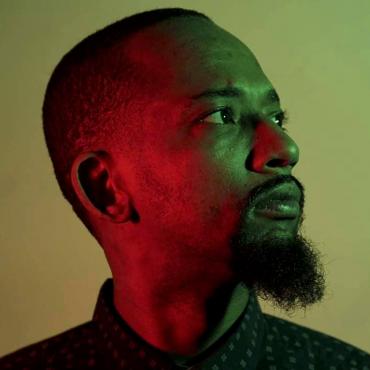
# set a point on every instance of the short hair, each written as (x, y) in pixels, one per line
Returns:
(88, 91)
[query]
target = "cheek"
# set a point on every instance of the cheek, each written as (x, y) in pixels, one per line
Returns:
(186, 181)
(186, 197)
(212, 193)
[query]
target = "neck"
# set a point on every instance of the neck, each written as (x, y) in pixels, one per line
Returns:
(235, 307)
(185, 324)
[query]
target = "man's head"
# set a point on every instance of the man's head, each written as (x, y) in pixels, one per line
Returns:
(164, 139)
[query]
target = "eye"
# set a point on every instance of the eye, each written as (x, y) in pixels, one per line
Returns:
(281, 118)
(221, 117)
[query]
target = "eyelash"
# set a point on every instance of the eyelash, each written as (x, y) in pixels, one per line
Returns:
(284, 119)
(283, 114)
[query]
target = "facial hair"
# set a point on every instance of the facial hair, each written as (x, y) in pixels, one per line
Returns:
(285, 269)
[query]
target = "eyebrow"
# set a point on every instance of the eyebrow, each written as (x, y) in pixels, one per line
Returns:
(270, 96)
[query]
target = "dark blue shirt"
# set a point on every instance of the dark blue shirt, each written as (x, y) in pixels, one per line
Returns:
(256, 341)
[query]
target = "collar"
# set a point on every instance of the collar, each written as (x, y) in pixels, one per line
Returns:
(120, 347)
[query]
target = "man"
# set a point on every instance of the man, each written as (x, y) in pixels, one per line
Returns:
(168, 140)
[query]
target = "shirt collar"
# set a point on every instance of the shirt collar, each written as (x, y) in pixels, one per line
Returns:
(121, 347)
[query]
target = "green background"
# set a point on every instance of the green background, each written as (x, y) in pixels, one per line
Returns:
(317, 55)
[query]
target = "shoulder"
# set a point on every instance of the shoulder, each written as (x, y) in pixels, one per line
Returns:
(68, 349)
(297, 343)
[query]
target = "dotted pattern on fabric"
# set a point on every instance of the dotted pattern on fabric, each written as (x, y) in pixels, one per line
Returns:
(256, 341)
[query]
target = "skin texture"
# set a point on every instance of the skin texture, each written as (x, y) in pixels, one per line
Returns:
(175, 218)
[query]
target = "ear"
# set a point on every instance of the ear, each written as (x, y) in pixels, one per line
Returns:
(92, 181)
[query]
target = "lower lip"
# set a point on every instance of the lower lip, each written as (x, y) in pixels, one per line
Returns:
(279, 209)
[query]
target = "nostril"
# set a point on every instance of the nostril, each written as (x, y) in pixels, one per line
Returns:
(276, 162)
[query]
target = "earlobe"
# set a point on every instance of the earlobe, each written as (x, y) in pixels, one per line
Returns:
(120, 211)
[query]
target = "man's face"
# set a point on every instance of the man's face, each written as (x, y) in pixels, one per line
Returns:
(205, 159)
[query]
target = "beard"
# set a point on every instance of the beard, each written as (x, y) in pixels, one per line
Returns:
(281, 266)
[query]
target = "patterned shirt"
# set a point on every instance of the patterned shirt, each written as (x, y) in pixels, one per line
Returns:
(256, 341)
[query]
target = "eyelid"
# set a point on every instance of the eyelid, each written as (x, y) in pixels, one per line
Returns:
(284, 121)
(282, 113)
(227, 108)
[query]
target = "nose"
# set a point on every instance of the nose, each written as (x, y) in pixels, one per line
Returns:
(273, 150)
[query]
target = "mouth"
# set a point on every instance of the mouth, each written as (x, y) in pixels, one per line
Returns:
(278, 209)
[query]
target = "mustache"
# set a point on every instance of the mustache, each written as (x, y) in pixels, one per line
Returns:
(272, 183)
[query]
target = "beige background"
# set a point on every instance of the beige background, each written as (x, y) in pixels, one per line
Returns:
(317, 55)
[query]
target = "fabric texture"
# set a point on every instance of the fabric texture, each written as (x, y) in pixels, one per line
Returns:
(256, 341)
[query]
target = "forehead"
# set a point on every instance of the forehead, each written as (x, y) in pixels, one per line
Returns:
(186, 55)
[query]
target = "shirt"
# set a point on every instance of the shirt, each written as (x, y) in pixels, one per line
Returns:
(256, 341)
